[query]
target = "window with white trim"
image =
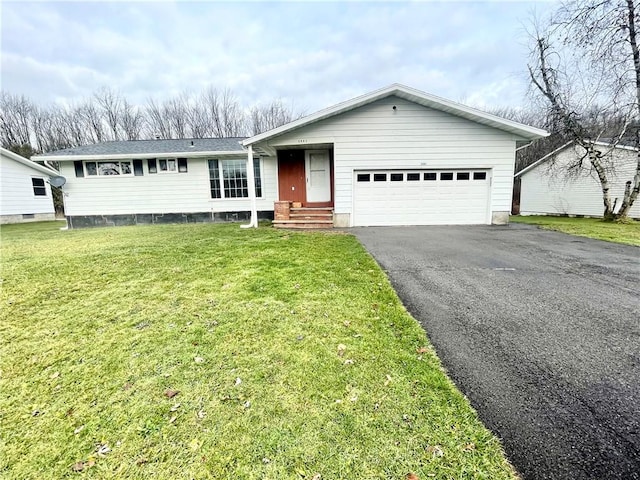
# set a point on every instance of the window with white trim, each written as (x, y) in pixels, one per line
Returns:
(108, 169)
(228, 178)
(39, 188)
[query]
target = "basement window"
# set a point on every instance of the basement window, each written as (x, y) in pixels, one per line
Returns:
(446, 176)
(39, 189)
(364, 177)
(479, 175)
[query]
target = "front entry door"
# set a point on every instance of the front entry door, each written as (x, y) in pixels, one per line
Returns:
(317, 169)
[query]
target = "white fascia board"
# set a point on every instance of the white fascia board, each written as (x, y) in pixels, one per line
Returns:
(416, 96)
(138, 156)
(29, 163)
(543, 159)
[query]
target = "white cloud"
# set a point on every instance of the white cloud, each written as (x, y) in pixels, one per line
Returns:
(309, 54)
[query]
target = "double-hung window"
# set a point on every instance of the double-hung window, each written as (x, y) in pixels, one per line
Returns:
(39, 188)
(228, 178)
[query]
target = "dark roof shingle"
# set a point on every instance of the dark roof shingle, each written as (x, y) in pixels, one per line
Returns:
(141, 147)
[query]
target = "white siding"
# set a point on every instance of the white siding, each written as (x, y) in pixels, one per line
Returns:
(16, 190)
(547, 190)
(377, 137)
(159, 193)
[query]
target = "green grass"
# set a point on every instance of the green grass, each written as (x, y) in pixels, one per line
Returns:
(618, 232)
(96, 325)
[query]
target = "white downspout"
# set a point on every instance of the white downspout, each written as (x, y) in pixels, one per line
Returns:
(252, 190)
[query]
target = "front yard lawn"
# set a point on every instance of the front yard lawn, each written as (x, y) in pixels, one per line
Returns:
(207, 351)
(627, 233)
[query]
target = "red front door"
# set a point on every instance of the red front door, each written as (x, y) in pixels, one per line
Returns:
(291, 176)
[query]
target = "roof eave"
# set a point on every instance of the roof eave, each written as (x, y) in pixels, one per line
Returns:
(143, 156)
(30, 163)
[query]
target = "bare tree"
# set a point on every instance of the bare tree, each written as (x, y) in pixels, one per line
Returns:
(112, 106)
(271, 115)
(586, 64)
(130, 121)
(15, 119)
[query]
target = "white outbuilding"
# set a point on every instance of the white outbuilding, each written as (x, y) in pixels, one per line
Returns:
(550, 187)
(25, 193)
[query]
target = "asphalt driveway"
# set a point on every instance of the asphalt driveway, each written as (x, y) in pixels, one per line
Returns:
(540, 330)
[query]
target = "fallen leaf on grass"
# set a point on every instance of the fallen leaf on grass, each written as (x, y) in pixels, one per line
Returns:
(436, 450)
(238, 381)
(175, 407)
(194, 444)
(198, 359)
(469, 447)
(141, 461)
(341, 349)
(422, 350)
(348, 361)
(170, 393)
(412, 476)
(173, 419)
(387, 381)
(103, 449)
(78, 430)
(201, 414)
(317, 476)
(55, 375)
(83, 465)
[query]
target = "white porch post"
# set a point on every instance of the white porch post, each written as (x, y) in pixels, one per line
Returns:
(251, 181)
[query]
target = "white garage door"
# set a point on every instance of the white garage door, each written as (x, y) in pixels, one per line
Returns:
(421, 197)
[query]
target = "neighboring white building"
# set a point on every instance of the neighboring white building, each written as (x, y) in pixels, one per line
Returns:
(396, 156)
(547, 189)
(25, 193)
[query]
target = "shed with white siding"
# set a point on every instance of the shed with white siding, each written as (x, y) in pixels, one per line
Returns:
(395, 156)
(25, 193)
(549, 188)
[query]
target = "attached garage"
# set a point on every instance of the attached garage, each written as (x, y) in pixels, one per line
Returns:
(396, 156)
(421, 197)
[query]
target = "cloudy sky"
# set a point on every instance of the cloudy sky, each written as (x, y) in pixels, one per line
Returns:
(310, 54)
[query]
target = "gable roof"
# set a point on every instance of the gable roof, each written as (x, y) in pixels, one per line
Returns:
(413, 95)
(563, 147)
(25, 161)
(148, 149)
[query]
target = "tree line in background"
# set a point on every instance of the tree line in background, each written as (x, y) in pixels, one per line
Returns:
(27, 127)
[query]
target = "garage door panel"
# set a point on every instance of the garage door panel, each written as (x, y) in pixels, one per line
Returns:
(464, 199)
